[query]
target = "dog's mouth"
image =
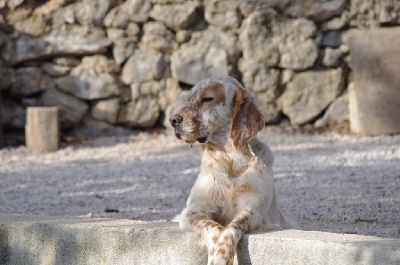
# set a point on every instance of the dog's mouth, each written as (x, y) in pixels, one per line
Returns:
(201, 140)
(190, 140)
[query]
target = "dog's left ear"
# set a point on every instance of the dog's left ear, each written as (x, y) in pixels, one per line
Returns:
(247, 119)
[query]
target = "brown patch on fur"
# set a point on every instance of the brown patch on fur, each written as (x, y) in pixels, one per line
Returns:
(221, 251)
(246, 188)
(224, 160)
(242, 223)
(247, 119)
(212, 251)
(216, 91)
(228, 238)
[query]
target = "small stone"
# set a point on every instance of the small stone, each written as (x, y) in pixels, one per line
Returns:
(55, 70)
(331, 57)
(133, 31)
(344, 49)
(182, 36)
(331, 39)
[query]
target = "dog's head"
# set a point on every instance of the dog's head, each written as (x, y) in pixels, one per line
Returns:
(218, 107)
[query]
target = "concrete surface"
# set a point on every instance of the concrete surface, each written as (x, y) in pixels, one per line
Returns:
(29, 240)
(326, 181)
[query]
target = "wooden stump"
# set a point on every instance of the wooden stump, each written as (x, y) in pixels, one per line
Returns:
(42, 129)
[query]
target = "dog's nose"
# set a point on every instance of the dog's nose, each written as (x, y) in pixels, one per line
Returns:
(175, 120)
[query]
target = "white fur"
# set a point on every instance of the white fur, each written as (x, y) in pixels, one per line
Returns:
(232, 185)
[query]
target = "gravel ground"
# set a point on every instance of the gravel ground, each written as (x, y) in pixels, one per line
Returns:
(326, 181)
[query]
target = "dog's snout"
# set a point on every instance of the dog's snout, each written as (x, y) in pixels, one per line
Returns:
(175, 120)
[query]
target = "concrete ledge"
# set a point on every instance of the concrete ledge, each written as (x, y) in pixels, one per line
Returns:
(32, 240)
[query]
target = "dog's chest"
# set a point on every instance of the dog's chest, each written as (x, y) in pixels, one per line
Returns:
(224, 166)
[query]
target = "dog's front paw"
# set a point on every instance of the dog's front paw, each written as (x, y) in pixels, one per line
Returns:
(224, 251)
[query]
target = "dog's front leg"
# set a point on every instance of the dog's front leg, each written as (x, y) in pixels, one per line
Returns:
(230, 236)
(207, 229)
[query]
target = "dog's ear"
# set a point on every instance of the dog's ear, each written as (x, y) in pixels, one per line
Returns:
(247, 119)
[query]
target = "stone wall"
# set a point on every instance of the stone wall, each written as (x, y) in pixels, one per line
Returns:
(125, 62)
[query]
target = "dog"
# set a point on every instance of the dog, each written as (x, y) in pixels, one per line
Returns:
(234, 192)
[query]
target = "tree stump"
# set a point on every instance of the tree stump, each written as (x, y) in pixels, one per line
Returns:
(42, 129)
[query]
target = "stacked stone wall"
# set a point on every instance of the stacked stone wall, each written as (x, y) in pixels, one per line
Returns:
(124, 63)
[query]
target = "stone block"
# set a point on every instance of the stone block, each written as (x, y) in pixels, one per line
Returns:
(375, 100)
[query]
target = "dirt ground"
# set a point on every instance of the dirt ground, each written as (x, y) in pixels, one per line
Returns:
(324, 180)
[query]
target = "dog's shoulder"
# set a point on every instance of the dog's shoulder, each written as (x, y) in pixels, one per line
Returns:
(262, 151)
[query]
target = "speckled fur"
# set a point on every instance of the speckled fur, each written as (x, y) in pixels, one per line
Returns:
(234, 192)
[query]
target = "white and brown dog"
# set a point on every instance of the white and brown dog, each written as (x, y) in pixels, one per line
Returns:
(234, 192)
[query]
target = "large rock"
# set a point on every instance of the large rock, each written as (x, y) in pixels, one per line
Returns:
(106, 110)
(123, 46)
(71, 109)
(13, 115)
(26, 21)
(249, 6)
(256, 38)
(309, 93)
(142, 113)
(371, 13)
(209, 53)
(375, 99)
(176, 16)
(7, 76)
(129, 11)
(88, 12)
(316, 10)
(165, 91)
(22, 48)
(144, 65)
(259, 78)
(269, 39)
(263, 82)
(157, 36)
(29, 81)
(223, 13)
(94, 78)
(337, 112)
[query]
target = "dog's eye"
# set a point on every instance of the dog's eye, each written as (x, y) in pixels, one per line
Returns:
(206, 99)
